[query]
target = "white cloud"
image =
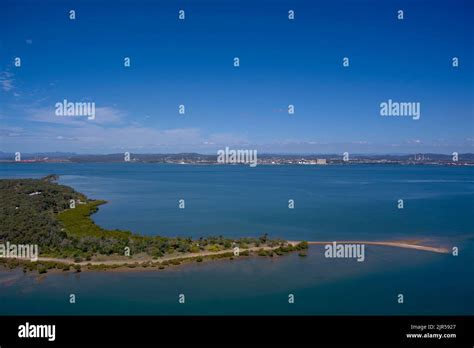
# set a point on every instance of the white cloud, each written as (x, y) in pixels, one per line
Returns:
(109, 131)
(103, 116)
(7, 81)
(228, 139)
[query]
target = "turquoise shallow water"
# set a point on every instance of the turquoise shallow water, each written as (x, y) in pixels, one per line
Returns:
(333, 202)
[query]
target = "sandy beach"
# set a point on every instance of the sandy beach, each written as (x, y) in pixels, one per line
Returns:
(396, 244)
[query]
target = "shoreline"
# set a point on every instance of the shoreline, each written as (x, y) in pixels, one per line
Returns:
(148, 264)
(338, 164)
(151, 252)
(88, 246)
(404, 244)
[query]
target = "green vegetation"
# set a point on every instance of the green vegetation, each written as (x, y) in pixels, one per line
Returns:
(32, 219)
(38, 211)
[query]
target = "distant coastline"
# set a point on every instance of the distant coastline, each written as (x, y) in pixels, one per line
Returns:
(462, 159)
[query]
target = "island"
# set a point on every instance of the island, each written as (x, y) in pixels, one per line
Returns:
(57, 219)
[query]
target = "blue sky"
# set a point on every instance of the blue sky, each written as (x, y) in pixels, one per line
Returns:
(283, 62)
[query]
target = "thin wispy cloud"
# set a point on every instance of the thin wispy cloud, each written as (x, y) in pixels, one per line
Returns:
(7, 81)
(109, 131)
(106, 116)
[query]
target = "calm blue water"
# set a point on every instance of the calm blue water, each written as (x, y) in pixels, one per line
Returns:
(332, 202)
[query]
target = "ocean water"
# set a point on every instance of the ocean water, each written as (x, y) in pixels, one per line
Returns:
(331, 203)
